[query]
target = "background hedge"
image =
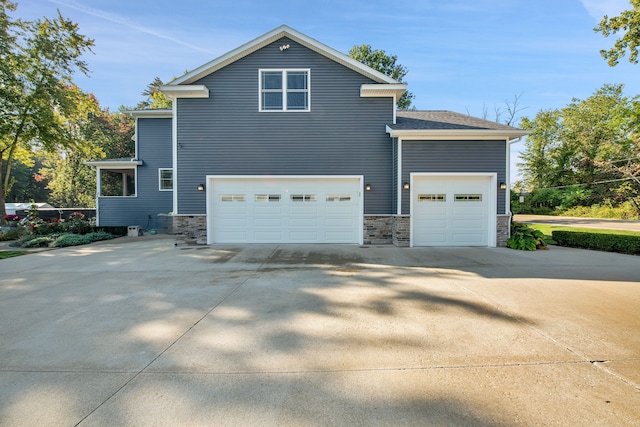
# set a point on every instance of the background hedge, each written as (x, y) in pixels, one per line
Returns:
(598, 241)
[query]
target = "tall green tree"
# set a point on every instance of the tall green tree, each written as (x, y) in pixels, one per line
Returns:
(37, 98)
(100, 135)
(379, 60)
(577, 145)
(628, 24)
(154, 98)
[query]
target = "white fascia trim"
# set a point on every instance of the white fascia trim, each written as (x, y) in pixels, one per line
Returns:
(118, 164)
(399, 167)
(272, 36)
(161, 113)
(450, 134)
(493, 200)
(186, 91)
(174, 154)
(376, 90)
(209, 195)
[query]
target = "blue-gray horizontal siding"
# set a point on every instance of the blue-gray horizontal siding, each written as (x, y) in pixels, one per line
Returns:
(343, 134)
(154, 149)
(454, 156)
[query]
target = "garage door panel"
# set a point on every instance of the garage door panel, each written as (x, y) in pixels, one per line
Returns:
(450, 210)
(282, 209)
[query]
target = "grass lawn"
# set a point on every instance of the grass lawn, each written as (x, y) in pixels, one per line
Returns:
(548, 228)
(10, 254)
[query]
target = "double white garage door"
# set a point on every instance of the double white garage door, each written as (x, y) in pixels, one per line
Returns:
(285, 210)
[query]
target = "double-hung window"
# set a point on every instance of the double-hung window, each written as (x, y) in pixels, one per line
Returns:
(284, 90)
(165, 177)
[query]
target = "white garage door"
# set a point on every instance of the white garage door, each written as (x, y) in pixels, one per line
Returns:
(284, 210)
(452, 211)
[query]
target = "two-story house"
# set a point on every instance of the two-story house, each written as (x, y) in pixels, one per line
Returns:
(286, 140)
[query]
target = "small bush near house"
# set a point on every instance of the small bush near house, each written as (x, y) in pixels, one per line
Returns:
(6, 235)
(38, 242)
(99, 235)
(525, 238)
(115, 231)
(598, 241)
(70, 240)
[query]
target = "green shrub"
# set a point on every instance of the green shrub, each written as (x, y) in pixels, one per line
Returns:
(598, 241)
(70, 240)
(99, 235)
(38, 242)
(11, 234)
(525, 238)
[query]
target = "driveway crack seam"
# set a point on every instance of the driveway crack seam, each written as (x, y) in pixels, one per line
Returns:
(596, 363)
(137, 374)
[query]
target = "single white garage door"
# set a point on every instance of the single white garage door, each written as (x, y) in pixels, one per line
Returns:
(284, 210)
(452, 211)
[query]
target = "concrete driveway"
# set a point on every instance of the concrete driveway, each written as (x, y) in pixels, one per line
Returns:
(138, 332)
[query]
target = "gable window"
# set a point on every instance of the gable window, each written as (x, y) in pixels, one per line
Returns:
(165, 177)
(284, 90)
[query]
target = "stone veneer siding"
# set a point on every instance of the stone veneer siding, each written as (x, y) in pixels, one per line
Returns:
(402, 231)
(190, 229)
(378, 229)
(503, 230)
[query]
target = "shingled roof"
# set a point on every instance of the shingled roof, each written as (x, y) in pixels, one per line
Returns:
(442, 123)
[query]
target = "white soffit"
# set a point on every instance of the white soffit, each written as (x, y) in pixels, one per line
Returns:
(383, 90)
(463, 134)
(186, 91)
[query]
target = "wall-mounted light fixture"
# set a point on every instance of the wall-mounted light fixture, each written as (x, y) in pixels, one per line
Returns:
(284, 47)
(200, 187)
(367, 187)
(503, 185)
(405, 185)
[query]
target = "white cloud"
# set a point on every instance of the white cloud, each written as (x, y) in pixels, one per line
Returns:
(599, 8)
(118, 19)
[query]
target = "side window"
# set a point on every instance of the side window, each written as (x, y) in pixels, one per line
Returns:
(165, 176)
(284, 90)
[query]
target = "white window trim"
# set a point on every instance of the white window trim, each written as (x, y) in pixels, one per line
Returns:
(160, 179)
(99, 182)
(284, 72)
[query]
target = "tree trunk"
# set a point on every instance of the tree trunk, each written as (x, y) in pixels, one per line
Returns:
(3, 210)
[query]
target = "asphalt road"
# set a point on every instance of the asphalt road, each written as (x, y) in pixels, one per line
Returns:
(612, 224)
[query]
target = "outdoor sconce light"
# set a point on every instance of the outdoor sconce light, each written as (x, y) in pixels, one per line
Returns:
(503, 186)
(200, 187)
(367, 187)
(405, 185)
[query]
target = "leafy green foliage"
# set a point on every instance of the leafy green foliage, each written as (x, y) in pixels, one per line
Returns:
(11, 234)
(598, 241)
(65, 240)
(629, 23)
(37, 95)
(154, 97)
(585, 153)
(38, 242)
(380, 61)
(525, 238)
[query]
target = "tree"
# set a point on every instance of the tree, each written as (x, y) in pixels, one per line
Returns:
(100, 135)
(627, 22)
(386, 64)
(37, 95)
(581, 143)
(154, 96)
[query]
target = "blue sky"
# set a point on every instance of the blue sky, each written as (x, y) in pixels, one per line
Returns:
(468, 56)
